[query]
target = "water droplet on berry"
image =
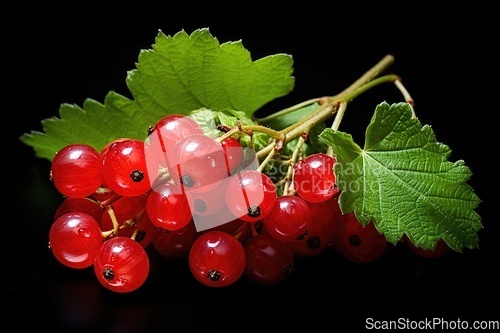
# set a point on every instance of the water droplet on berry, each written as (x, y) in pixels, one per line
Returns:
(84, 232)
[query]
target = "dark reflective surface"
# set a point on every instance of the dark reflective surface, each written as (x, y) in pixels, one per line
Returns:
(63, 62)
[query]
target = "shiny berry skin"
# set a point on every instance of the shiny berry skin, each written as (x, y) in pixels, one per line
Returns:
(269, 261)
(75, 238)
(144, 230)
(205, 203)
(76, 170)
(167, 131)
(125, 170)
(289, 219)
(197, 162)
(314, 178)
(217, 259)
(168, 207)
(84, 205)
(174, 244)
(121, 264)
(234, 154)
(250, 195)
(357, 243)
(322, 230)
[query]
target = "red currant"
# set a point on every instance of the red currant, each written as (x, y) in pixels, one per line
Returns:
(168, 207)
(268, 260)
(174, 244)
(314, 178)
(121, 264)
(358, 243)
(250, 195)
(234, 154)
(440, 250)
(84, 205)
(125, 170)
(197, 162)
(167, 132)
(76, 170)
(217, 259)
(289, 219)
(75, 238)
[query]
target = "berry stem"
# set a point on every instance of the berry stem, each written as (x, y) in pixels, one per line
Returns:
(336, 123)
(280, 113)
(253, 229)
(112, 215)
(406, 96)
(239, 232)
(289, 188)
(328, 106)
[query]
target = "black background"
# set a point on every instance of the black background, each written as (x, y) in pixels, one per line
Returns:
(66, 57)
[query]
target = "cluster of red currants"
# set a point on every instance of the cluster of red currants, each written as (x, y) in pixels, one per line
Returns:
(186, 194)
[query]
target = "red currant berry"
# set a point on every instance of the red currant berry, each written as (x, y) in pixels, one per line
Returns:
(76, 170)
(250, 195)
(121, 264)
(321, 231)
(174, 244)
(234, 154)
(125, 170)
(217, 259)
(75, 238)
(197, 162)
(269, 261)
(314, 178)
(83, 205)
(167, 131)
(289, 219)
(357, 243)
(168, 207)
(440, 250)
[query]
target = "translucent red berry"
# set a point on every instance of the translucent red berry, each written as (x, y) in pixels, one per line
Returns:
(76, 170)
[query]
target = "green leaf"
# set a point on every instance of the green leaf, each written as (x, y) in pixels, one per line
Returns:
(179, 74)
(185, 73)
(403, 182)
(95, 124)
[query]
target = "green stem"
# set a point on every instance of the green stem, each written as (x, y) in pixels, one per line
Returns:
(369, 85)
(287, 110)
(289, 187)
(329, 105)
(336, 123)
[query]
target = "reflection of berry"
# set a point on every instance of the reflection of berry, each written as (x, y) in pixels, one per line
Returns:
(357, 243)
